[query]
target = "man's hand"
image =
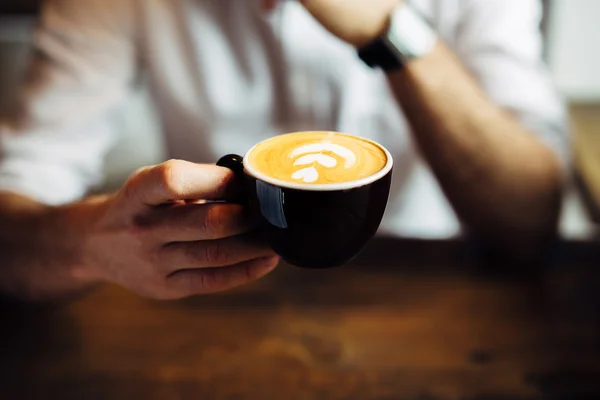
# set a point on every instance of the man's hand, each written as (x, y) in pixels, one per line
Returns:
(166, 234)
(154, 237)
(357, 22)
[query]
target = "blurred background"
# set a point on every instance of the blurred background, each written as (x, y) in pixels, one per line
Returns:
(571, 29)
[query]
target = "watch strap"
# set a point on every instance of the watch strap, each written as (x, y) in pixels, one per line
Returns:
(408, 37)
(378, 54)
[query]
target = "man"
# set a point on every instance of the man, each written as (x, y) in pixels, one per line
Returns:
(459, 95)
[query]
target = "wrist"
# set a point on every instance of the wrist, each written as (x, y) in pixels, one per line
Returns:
(372, 31)
(80, 220)
(41, 248)
(407, 37)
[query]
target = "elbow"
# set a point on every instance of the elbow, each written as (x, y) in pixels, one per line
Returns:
(526, 237)
(525, 230)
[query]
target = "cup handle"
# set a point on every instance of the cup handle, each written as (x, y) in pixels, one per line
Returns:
(235, 163)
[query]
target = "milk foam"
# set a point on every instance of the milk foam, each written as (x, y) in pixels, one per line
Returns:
(318, 158)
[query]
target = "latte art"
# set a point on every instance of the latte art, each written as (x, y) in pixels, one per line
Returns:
(318, 158)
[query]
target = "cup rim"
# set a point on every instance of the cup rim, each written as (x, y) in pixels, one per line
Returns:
(321, 187)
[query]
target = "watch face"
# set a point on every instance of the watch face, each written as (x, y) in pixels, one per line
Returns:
(408, 37)
(409, 34)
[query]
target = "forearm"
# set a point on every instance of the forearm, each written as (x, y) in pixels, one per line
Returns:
(41, 248)
(503, 183)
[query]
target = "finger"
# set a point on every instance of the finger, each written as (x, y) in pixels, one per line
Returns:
(213, 253)
(194, 222)
(193, 282)
(180, 180)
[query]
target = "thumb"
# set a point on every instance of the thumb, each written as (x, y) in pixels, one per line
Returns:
(177, 180)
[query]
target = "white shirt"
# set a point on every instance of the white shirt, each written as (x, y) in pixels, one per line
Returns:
(224, 75)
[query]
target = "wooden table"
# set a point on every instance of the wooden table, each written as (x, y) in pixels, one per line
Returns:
(407, 320)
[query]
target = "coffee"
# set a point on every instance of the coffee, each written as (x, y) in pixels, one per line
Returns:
(317, 158)
(319, 196)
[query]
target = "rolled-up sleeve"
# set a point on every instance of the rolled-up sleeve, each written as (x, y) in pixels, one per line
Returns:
(53, 143)
(502, 44)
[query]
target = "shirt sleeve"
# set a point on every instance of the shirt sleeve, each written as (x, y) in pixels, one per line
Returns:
(53, 144)
(502, 44)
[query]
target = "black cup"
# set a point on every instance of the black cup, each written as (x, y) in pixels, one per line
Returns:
(314, 226)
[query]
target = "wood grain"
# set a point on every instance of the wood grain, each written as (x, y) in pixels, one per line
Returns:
(407, 320)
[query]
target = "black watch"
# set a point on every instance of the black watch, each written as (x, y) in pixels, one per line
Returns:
(408, 37)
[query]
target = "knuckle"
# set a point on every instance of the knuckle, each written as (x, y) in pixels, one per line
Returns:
(213, 220)
(132, 185)
(216, 254)
(171, 178)
(193, 254)
(137, 233)
(145, 231)
(137, 174)
(151, 255)
(200, 282)
(140, 171)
